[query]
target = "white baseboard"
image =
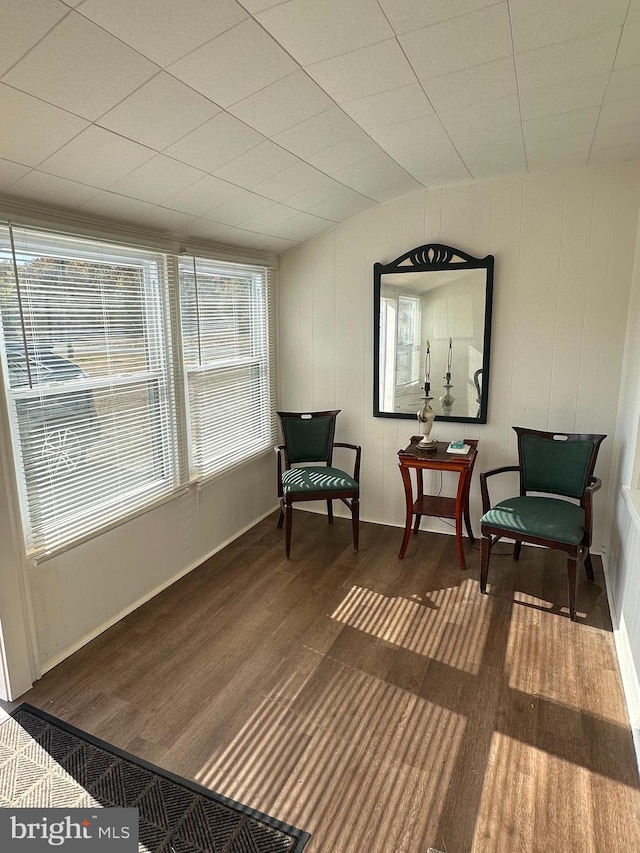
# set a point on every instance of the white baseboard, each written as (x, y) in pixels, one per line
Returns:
(628, 672)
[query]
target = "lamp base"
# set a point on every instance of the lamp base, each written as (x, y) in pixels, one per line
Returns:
(428, 443)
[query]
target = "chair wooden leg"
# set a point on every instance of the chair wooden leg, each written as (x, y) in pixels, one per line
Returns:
(281, 518)
(355, 522)
(516, 550)
(330, 511)
(287, 529)
(572, 579)
(485, 555)
(588, 566)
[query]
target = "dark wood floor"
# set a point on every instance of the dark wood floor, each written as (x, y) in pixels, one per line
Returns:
(382, 705)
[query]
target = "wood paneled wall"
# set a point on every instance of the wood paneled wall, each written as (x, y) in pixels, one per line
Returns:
(564, 247)
(622, 558)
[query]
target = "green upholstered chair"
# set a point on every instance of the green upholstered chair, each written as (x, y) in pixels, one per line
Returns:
(551, 463)
(306, 472)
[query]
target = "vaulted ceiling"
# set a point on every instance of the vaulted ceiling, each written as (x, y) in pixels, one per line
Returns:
(262, 123)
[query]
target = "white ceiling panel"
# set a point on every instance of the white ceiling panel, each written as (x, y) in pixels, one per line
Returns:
(49, 189)
(377, 177)
(614, 154)
(623, 134)
(191, 119)
(96, 157)
(93, 70)
(201, 229)
(564, 124)
(629, 51)
(491, 164)
(409, 15)
(341, 206)
(157, 180)
(281, 221)
(282, 104)
(429, 156)
(571, 60)
(203, 196)
(316, 193)
(575, 95)
(547, 22)
(24, 23)
(314, 31)
(497, 150)
(344, 154)
(480, 116)
(565, 146)
(389, 107)
(618, 113)
(238, 209)
(255, 6)
(159, 112)
(162, 30)
(357, 74)
(233, 66)
(32, 129)
(252, 240)
(300, 226)
(486, 82)
(162, 219)
(11, 172)
(107, 205)
(297, 178)
(507, 136)
(318, 132)
(251, 168)
(623, 84)
(558, 161)
(473, 39)
(218, 141)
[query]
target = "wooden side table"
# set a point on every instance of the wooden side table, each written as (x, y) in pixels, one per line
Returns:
(441, 507)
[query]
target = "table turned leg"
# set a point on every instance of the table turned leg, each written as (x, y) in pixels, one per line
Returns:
(406, 480)
(461, 511)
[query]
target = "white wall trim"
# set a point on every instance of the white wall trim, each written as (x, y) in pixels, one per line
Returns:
(70, 650)
(628, 673)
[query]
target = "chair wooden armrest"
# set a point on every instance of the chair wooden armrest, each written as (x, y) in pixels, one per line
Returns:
(358, 449)
(594, 485)
(279, 450)
(486, 504)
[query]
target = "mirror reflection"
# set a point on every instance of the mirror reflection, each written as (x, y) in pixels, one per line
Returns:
(433, 324)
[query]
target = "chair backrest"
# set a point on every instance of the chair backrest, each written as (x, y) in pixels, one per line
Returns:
(557, 462)
(308, 436)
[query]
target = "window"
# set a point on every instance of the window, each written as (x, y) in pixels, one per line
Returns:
(228, 359)
(84, 329)
(102, 424)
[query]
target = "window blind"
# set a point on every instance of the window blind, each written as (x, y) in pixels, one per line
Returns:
(228, 348)
(86, 347)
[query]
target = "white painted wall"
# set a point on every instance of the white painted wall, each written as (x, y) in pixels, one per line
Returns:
(623, 555)
(564, 246)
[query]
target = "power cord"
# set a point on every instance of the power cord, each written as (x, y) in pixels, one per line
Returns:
(475, 547)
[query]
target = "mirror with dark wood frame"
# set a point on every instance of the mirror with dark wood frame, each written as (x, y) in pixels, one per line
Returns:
(432, 324)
